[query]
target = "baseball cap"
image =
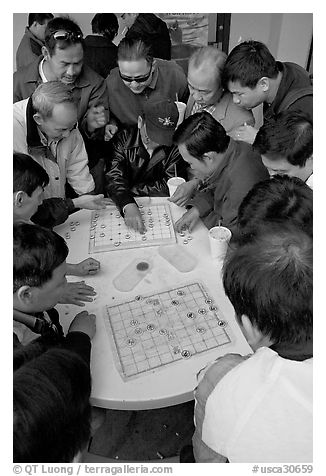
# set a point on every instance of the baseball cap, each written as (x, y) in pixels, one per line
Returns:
(161, 117)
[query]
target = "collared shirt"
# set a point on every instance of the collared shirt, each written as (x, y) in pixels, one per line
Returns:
(310, 181)
(41, 72)
(200, 107)
(168, 81)
(228, 114)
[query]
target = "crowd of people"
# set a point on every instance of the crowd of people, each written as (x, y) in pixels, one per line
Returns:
(97, 123)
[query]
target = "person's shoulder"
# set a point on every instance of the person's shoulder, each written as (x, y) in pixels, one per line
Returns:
(168, 64)
(240, 112)
(19, 107)
(29, 71)
(88, 74)
(113, 78)
(296, 68)
(126, 136)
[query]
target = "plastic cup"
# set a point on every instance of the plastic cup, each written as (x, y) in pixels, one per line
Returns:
(173, 184)
(219, 238)
(182, 109)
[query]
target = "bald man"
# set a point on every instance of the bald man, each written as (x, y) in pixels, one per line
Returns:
(206, 93)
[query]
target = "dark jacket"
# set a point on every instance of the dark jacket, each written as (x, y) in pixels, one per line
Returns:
(51, 335)
(221, 194)
(53, 212)
(88, 90)
(132, 172)
(294, 77)
(153, 31)
(100, 54)
(29, 49)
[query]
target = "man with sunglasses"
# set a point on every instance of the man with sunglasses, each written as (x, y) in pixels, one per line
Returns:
(137, 78)
(142, 159)
(63, 60)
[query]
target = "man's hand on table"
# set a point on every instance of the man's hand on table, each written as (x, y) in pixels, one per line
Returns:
(188, 220)
(133, 218)
(184, 192)
(84, 322)
(77, 293)
(92, 202)
(84, 268)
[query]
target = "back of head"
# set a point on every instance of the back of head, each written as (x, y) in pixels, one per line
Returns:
(270, 280)
(105, 24)
(201, 133)
(209, 57)
(37, 253)
(62, 32)
(48, 94)
(51, 393)
(134, 49)
(287, 135)
(39, 18)
(28, 175)
(247, 63)
(281, 199)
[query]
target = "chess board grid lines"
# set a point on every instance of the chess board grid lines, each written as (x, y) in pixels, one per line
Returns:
(137, 368)
(161, 234)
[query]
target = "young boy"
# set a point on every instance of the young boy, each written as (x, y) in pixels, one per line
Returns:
(29, 180)
(39, 260)
(258, 408)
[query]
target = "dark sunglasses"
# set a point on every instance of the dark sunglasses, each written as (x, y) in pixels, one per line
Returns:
(140, 79)
(67, 35)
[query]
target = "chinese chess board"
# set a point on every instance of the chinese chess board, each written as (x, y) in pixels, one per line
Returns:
(108, 231)
(155, 330)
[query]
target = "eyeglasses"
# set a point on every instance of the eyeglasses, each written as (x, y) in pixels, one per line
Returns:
(67, 35)
(141, 79)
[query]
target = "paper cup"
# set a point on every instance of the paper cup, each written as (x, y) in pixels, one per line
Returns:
(181, 109)
(219, 238)
(173, 184)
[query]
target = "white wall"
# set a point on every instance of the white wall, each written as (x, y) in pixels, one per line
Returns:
(287, 35)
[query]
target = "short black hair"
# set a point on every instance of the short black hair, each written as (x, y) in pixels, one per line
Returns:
(289, 135)
(201, 133)
(270, 280)
(105, 24)
(28, 174)
(51, 391)
(40, 18)
(133, 49)
(67, 25)
(37, 253)
(247, 63)
(280, 199)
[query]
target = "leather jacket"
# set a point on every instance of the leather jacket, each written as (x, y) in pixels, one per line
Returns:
(130, 171)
